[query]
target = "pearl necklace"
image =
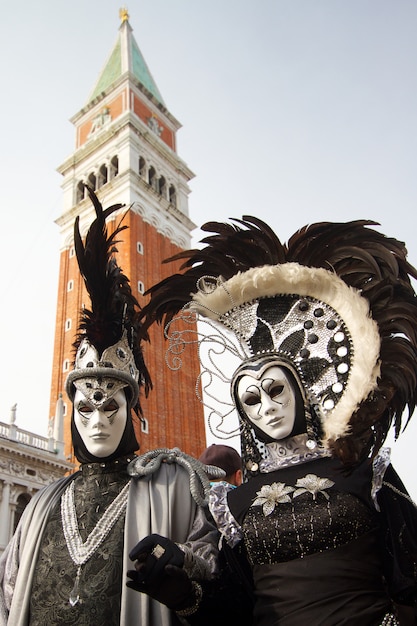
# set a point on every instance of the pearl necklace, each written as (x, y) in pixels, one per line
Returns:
(80, 552)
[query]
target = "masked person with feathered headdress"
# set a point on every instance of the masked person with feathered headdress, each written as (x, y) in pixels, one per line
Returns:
(317, 341)
(68, 560)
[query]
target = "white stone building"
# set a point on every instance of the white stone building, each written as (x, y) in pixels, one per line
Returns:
(28, 462)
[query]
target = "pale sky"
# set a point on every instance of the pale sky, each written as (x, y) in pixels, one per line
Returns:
(295, 111)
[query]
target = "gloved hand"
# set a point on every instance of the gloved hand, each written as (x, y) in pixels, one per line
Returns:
(152, 554)
(158, 572)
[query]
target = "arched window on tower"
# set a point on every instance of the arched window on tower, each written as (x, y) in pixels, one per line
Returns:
(162, 187)
(172, 195)
(102, 176)
(21, 504)
(152, 178)
(92, 181)
(114, 167)
(80, 192)
(142, 167)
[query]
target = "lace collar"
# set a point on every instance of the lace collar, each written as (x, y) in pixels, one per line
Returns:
(292, 451)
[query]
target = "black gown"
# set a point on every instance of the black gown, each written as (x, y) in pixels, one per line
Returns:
(312, 536)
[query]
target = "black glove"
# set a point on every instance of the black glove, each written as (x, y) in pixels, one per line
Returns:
(158, 572)
(152, 554)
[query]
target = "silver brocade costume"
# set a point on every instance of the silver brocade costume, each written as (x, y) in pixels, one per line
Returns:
(158, 503)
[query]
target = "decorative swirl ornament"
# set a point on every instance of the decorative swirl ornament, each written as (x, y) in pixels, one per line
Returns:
(150, 462)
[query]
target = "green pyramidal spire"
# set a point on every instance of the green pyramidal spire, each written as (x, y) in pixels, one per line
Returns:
(125, 57)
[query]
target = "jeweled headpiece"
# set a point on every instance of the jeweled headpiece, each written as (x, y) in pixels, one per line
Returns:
(336, 303)
(313, 320)
(108, 344)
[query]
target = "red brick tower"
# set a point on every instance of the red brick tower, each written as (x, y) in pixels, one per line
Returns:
(126, 150)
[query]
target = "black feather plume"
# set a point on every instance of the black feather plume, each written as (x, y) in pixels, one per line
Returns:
(364, 258)
(113, 306)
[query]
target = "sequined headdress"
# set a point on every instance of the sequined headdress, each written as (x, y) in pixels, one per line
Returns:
(108, 344)
(335, 303)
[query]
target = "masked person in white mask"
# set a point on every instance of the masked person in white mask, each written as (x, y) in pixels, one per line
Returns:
(316, 341)
(68, 561)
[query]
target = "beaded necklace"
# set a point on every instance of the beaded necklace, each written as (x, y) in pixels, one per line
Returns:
(80, 552)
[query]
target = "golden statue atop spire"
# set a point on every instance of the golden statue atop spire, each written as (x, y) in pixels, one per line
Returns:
(124, 14)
